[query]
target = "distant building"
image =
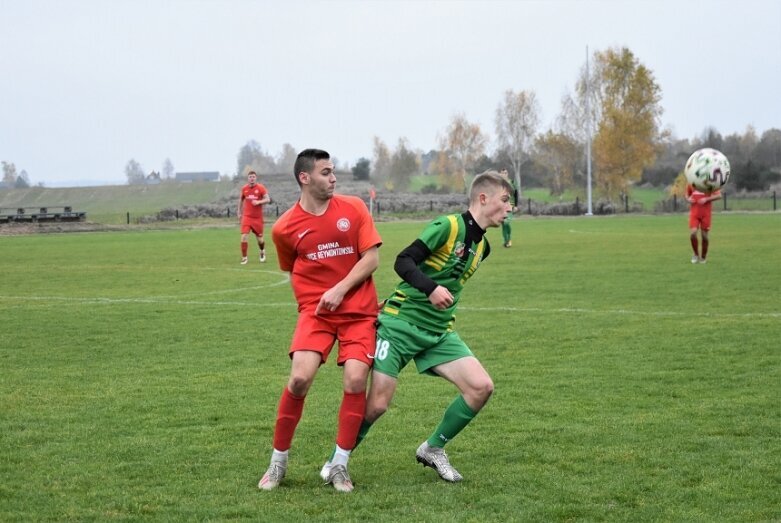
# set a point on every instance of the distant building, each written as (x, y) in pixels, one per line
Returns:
(152, 178)
(204, 176)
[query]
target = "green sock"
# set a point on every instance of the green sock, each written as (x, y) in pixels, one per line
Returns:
(365, 426)
(457, 416)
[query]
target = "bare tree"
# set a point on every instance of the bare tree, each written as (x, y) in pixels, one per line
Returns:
(168, 169)
(465, 142)
(23, 180)
(404, 164)
(134, 173)
(560, 155)
(286, 159)
(251, 157)
(9, 173)
(382, 160)
(517, 119)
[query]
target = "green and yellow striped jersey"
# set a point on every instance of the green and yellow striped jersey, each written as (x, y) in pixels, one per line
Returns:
(457, 246)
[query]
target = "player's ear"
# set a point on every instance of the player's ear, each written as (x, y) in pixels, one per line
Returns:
(303, 177)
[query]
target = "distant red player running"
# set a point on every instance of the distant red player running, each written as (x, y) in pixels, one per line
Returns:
(700, 219)
(252, 198)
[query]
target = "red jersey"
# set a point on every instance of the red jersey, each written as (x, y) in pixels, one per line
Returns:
(696, 194)
(248, 195)
(319, 251)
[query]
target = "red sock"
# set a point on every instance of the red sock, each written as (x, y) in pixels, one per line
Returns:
(350, 418)
(244, 253)
(695, 246)
(289, 414)
(704, 248)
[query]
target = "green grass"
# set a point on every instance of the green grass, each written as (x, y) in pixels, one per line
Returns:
(141, 372)
(110, 204)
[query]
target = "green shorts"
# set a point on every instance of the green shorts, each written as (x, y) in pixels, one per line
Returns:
(398, 342)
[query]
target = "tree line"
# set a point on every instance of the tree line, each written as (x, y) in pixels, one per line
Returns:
(613, 110)
(13, 180)
(615, 105)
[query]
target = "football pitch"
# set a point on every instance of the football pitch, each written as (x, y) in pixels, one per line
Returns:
(141, 372)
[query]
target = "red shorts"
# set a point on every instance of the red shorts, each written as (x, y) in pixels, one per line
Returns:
(356, 336)
(252, 224)
(700, 217)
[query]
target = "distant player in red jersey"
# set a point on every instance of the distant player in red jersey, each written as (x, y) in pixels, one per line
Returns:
(329, 245)
(700, 218)
(252, 198)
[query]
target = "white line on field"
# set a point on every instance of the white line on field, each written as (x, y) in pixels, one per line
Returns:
(110, 301)
(627, 312)
(563, 310)
(283, 281)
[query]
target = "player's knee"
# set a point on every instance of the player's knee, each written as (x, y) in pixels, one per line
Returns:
(299, 384)
(355, 384)
(487, 388)
(482, 391)
(374, 410)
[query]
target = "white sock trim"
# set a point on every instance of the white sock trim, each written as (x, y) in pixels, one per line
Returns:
(340, 456)
(279, 455)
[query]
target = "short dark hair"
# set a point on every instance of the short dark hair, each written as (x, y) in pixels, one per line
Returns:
(252, 172)
(306, 159)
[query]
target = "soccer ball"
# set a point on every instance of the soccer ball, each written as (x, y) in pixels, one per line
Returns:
(707, 169)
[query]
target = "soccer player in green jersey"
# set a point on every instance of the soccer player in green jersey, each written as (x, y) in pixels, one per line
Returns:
(507, 229)
(417, 320)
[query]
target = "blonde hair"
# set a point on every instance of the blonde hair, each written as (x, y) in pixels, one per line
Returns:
(488, 182)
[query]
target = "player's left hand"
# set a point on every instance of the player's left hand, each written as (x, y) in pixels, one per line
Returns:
(330, 300)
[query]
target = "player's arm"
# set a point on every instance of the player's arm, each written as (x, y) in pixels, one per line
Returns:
(241, 203)
(689, 194)
(332, 298)
(408, 267)
(263, 201)
(286, 252)
(716, 195)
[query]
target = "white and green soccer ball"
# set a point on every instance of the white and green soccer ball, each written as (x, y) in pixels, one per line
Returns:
(707, 169)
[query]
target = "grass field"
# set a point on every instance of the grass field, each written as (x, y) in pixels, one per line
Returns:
(141, 372)
(110, 205)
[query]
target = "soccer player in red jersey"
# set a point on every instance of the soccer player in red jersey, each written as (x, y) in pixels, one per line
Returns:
(252, 198)
(700, 218)
(330, 247)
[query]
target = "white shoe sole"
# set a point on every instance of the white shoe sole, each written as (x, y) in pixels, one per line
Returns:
(325, 471)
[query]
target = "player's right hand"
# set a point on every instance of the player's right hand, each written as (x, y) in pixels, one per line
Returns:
(441, 298)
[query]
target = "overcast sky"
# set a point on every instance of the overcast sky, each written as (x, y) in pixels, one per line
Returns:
(87, 85)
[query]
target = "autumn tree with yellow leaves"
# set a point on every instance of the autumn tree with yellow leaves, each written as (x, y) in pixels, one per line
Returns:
(618, 99)
(628, 129)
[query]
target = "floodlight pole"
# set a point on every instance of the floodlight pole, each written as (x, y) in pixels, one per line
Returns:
(588, 139)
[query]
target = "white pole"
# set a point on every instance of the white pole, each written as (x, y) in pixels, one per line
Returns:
(588, 139)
